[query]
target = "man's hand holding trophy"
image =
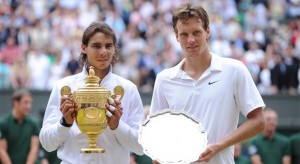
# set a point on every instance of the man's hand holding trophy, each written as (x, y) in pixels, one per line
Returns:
(93, 108)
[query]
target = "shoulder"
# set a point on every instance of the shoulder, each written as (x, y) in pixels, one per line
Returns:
(4, 119)
(167, 73)
(69, 79)
(124, 82)
(257, 138)
(230, 63)
(32, 120)
(295, 137)
(281, 137)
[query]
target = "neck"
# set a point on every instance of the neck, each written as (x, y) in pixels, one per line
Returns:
(196, 66)
(269, 134)
(101, 73)
(17, 116)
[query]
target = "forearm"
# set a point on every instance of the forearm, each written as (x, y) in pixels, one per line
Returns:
(33, 152)
(51, 137)
(4, 157)
(128, 137)
(253, 126)
(255, 159)
(32, 156)
(286, 159)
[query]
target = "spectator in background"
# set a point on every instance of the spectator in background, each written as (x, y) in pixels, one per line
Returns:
(56, 72)
(270, 147)
(4, 75)
(295, 148)
(292, 63)
(253, 58)
(20, 74)
(59, 24)
(264, 79)
(279, 76)
(73, 65)
(39, 65)
(19, 132)
(238, 157)
(10, 51)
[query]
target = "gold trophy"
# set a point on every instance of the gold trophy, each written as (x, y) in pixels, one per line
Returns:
(91, 114)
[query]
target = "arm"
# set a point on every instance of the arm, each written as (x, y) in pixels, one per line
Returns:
(53, 134)
(127, 130)
(253, 126)
(33, 153)
(286, 159)
(255, 159)
(4, 157)
(158, 101)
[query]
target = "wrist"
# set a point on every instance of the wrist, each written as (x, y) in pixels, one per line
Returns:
(114, 128)
(64, 123)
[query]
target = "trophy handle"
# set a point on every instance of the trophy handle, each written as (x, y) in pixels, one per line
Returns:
(66, 90)
(118, 93)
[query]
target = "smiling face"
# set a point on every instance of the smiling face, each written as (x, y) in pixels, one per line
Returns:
(99, 50)
(192, 36)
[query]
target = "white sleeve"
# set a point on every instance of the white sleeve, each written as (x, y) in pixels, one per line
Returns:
(127, 132)
(247, 95)
(158, 101)
(53, 134)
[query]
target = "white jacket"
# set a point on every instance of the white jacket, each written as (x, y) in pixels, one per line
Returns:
(117, 143)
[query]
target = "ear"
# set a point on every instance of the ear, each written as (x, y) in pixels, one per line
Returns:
(207, 33)
(83, 48)
(176, 34)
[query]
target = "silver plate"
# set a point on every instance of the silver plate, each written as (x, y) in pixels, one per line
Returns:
(172, 137)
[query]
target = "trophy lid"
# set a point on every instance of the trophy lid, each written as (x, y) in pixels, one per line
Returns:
(92, 80)
(91, 92)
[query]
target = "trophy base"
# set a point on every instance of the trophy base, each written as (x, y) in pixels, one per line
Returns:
(92, 150)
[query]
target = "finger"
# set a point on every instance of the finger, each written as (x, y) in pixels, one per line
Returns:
(70, 112)
(63, 99)
(120, 111)
(120, 106)
(111, 101)
(117, 113)
(204, 157)
(108, 114)
(204, 153)
(66, 101)
(117, 102)
(66, 108)
(112, 108)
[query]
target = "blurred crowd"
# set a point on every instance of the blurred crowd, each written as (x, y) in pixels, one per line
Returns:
(40, 40)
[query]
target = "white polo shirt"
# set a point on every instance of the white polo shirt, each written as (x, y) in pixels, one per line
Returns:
(117, 143)
(225, 89)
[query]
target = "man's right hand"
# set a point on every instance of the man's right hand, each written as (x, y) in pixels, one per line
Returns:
(68, 109)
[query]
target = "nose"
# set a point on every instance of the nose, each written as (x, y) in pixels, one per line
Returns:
(191, 39)
(103, 51)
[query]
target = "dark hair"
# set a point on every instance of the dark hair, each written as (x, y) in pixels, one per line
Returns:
(19, 93)
(90, 32)
(188, 10)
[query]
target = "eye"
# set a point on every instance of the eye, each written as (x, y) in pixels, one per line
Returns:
(96, 46)
(183, 35)
(197, 33)
(109, 46)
